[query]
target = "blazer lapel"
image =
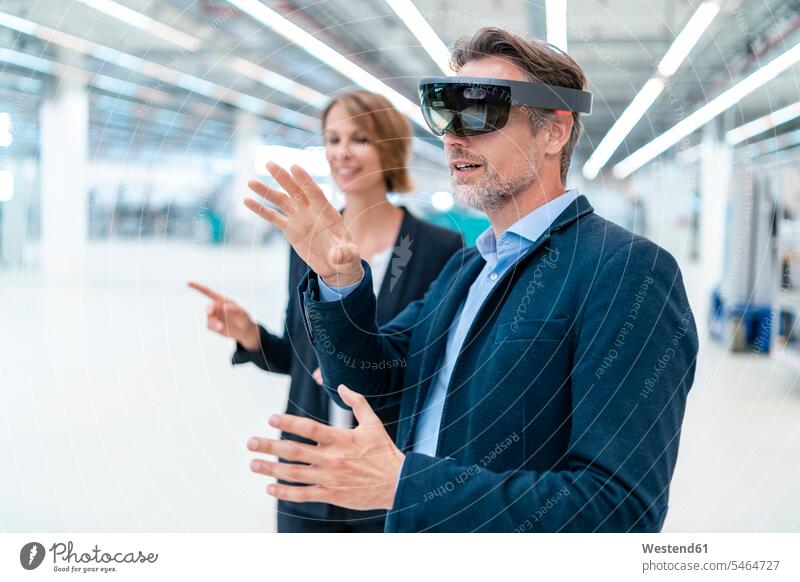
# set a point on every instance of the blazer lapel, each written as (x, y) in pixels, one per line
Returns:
(399, 269)
(567, 218)
(456, 295)
(436, 340)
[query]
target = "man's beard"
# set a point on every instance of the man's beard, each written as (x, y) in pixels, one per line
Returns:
(492, 191)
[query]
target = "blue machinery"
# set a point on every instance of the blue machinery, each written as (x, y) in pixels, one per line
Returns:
(756, 307)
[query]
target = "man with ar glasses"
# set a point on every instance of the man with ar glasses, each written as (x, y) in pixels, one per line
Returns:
(545, 372)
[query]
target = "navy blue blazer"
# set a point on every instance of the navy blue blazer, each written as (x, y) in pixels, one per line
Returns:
(564, 409)
(421, 250)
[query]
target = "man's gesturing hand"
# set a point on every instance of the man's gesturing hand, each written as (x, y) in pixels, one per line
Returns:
(356, 468)
(311, 225)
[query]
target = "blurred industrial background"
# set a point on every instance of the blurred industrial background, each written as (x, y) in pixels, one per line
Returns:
(129, 128)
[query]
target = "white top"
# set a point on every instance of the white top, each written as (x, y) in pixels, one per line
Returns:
(379, 265)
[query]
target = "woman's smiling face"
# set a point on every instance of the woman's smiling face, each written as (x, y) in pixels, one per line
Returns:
(354, 160)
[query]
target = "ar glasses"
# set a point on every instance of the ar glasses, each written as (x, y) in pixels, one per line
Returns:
(468, 106)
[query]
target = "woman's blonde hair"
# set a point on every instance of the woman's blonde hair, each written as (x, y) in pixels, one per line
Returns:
(386, 127)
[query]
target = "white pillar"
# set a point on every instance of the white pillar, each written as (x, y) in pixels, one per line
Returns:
(716, 163)
(64, 143)
(14, 212)
(246, 139)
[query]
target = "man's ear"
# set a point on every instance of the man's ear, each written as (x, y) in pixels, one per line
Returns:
(558, 132)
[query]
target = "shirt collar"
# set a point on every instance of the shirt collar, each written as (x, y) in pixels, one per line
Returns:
(523, 233)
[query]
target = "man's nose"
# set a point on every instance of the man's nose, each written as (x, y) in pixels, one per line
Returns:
(450, 139)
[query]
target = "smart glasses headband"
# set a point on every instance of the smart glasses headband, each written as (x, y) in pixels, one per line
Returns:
(474, 105)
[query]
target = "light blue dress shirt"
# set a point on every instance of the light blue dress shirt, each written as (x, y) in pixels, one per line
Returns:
(500, 255)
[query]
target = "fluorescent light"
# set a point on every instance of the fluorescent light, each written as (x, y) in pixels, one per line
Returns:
(144, 22)
(120, 12)
(69, 41)
(268, 78)
(341, 64)
(278, 82)
(556, 19)
(118, 58)
(762, 124)
(671, 61)
(688, 37)
(773, 144)
(622, 127)
(26, 61)
(426, 36)
(6, 185)
(161, 72)
(18, 24)
(120, 87)
(103, 82)
(329, 56)
(708, 112)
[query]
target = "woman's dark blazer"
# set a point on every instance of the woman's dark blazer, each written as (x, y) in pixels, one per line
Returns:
(420, 252)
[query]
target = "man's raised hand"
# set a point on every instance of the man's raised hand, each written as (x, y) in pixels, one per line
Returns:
(310, 223)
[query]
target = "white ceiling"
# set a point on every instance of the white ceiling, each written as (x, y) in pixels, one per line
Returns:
(618, 42)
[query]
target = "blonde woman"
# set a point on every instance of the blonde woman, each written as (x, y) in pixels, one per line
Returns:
(367, 145)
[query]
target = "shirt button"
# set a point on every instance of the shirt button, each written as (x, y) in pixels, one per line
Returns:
(493, 277)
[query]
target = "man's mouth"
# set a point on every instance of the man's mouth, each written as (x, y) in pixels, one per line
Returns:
(462, 168)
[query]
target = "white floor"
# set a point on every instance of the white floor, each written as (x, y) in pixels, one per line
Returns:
(121, 412)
